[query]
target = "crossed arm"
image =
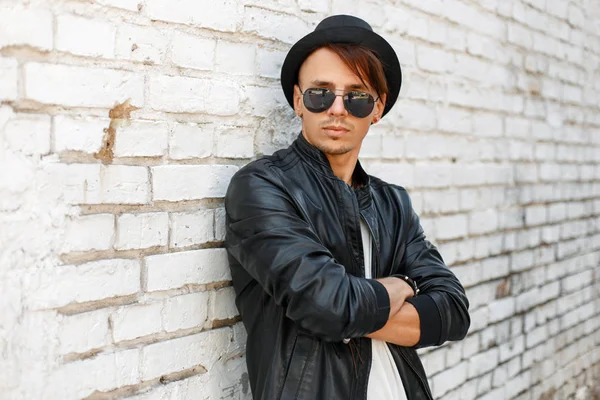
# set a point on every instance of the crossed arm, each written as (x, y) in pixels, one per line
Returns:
(403, 327)
(279, 249)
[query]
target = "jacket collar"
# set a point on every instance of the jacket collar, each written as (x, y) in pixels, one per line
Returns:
(319, 161)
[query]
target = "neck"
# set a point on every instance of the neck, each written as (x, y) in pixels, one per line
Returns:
(343, 164)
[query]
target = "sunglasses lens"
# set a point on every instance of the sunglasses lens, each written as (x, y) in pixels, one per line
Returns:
(359, 104)
(318, 100)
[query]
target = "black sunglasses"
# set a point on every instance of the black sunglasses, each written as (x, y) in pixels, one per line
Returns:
(359, 104)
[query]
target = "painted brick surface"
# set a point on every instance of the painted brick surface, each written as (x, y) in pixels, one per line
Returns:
(123, 121)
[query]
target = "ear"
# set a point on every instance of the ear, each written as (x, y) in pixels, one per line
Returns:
(379, 108)
(298, 106)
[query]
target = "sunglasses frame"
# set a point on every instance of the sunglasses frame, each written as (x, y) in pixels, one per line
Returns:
(344, 98)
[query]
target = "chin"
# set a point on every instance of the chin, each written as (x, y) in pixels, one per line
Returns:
(334, 148)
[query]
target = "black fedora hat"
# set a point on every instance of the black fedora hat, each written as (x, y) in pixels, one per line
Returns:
(342, 29)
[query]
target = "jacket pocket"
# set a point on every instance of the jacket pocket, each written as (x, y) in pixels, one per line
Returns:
(298, 363)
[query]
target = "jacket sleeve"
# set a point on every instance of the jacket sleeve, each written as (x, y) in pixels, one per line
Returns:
(441, 304)
(267, 234)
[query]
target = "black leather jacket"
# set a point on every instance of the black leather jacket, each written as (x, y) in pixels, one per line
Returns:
(295, 252)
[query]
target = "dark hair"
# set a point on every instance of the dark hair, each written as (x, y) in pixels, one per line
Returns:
(364, 63)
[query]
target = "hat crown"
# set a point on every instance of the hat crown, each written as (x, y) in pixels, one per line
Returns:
(339, 21)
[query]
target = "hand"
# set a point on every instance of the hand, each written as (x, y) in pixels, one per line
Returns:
(398, 290)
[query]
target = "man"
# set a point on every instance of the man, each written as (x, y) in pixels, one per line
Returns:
(335, 282)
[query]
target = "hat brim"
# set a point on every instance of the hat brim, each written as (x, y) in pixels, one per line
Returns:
(344, 34)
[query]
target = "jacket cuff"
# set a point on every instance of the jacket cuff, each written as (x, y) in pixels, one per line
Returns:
(383, 304)
(430, 320)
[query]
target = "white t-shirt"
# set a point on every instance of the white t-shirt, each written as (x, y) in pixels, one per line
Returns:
(384, 379)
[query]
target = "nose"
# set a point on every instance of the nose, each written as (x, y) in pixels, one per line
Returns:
(337, 108)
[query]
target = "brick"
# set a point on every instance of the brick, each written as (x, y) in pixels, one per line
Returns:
(501, 309)
(16, 23)
(193, 52)
(220, 224)
(576, 281)
(270, 62)
(472, 18)
(235, 142)
(105, 372)
(479, 319)
(180, 354)
(8, 78)
(431, 201)
(140, 231)
(451, 227)
(273, 25)
(483, 362)
(91, 281)
(483, 46)
(260, 101)
(91, 232)
(190, 228)
(131, 5)
(488, 338)
(487, 125)
(174, 270)
(421, 146)
(483, 221)
(536, 336)
(85, 36)
(434, 361)
(454, 120)
(522, 261)
(81, 86)
(28, 134)
(526, 173)
(142, 139)
(202, 14)
(142, 44)
(222, 304)
(449, 379)
(454, 354)
(535, 215)
(469, 274)
(193, 95)
(512, 349)
(576, 15)
(131, 322)
(95, 326)
(432, 175)
(191, 141)
(433, 60)
(172, 182)
(235, 58)
(484, 383)
(497, 394)
(95, 184)
(185, 311)
(316, 6)
(470, 346)
(79, 134)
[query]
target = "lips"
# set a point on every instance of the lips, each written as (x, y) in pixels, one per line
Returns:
(335, 132)
(336, 128)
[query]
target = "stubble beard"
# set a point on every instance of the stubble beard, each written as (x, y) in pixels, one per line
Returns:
(334, 150)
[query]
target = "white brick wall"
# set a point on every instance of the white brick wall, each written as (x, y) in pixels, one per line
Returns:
(112, 272)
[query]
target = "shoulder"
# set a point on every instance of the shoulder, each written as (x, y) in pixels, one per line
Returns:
(259, 175)
(391, 191)
(263, 167)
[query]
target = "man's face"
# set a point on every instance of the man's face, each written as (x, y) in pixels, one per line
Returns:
(333, 131)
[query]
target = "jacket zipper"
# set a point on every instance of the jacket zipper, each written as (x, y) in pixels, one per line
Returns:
(373, 276)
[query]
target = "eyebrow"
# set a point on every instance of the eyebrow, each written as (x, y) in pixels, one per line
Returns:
(330, 84)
